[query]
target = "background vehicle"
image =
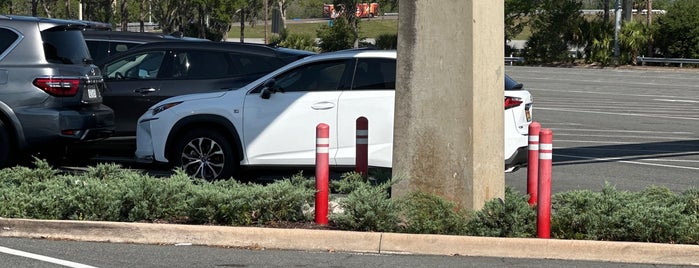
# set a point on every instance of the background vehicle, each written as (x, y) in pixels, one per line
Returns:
(364, 10)
(152, 72)
(104, 43)
(50, 93)
(272, 121)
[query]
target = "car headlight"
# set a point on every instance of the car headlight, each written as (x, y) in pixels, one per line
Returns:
(164, 107)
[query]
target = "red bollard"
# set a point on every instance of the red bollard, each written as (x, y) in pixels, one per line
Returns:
(362, 147)
(543, 221)
(533, 162)
(322, 173)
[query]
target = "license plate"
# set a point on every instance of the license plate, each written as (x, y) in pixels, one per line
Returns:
(91, 92)
(529, 115)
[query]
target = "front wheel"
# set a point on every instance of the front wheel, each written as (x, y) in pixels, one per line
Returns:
(205, 154)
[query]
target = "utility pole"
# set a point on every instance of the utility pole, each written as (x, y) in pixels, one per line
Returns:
(617, 28)
(266, 19)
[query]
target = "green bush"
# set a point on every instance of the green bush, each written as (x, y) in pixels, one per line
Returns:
(653, 215)
(512, 217)
(368, 208)
(387, 41)
(430, 214)
(340, 36)
(109, 192)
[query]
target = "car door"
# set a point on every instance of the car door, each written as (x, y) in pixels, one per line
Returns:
(281, 129)
(371, 95)
(132, 87)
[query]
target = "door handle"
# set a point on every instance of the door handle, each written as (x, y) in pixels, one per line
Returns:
(323, 105)
(145, 90)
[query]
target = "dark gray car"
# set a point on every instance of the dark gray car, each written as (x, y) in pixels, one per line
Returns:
(50, 93)
(147, 74)
(104, 43)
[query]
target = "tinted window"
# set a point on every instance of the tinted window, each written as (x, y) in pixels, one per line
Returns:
(511, 84)
(199, 64)
(100, 49)
(256, 64)
(64, 46)
(323, 76)
(375, 74)
(7, 38)
(139, 66)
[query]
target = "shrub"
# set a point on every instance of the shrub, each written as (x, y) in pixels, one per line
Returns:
(431, 214)
(368, 208)
(512, 217)
(653, 215)
(387, 41)
(340, 36)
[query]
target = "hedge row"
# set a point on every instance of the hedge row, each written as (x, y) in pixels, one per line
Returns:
(107, 192)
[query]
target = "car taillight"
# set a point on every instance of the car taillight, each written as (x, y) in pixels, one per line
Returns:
(511, 102)
(58, 86)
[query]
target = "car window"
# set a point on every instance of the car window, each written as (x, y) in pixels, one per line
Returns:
(7, 39)
(200, 64)
(256, 64)
(375, 74)
(324, 76)
(100, 49)
(64, 46)
(139, 66)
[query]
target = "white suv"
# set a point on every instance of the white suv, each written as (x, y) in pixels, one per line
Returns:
(272, 121)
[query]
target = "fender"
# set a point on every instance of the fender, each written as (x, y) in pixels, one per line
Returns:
(16, 131)
(204, 120)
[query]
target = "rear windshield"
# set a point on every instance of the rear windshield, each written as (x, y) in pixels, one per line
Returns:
(65, 46)
(511, 84)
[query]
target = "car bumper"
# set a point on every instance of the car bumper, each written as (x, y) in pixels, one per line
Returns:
(518, 159)
(144, 142)
(58, 126)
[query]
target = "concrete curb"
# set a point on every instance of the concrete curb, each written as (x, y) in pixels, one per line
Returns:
(346, 241)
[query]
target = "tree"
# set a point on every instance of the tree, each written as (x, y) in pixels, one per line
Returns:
(555, 28)
(349, 14)
(517, 14)
(339, 36)
(678, 32)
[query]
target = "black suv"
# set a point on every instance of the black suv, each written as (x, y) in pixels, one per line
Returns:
(50, 92)
(147, 74)
(104, 43)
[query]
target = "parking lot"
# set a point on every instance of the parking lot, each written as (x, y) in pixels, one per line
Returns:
(629, 128)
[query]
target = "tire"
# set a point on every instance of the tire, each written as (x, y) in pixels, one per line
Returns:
(6, 147)
(205, 154)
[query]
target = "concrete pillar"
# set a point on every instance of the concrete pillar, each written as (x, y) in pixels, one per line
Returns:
(448, 133)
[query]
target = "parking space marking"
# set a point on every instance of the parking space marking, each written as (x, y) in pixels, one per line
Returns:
(622, 114)
(622, 131)
(43, 258)
(625, 136)
(684, 101)
(621, 160)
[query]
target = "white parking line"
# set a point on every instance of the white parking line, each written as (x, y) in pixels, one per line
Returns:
(43, 258)
(685, 101)
(624, 114)
(622, 131)
(621, 160)
(624, 136)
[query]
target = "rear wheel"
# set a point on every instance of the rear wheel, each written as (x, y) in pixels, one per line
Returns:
(6, 147)
(205, 154)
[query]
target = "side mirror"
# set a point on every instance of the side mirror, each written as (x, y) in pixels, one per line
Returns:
(268, 88)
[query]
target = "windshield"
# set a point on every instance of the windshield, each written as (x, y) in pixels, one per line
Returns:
(65, 46)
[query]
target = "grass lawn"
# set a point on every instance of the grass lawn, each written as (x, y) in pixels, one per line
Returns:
(368, 28)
